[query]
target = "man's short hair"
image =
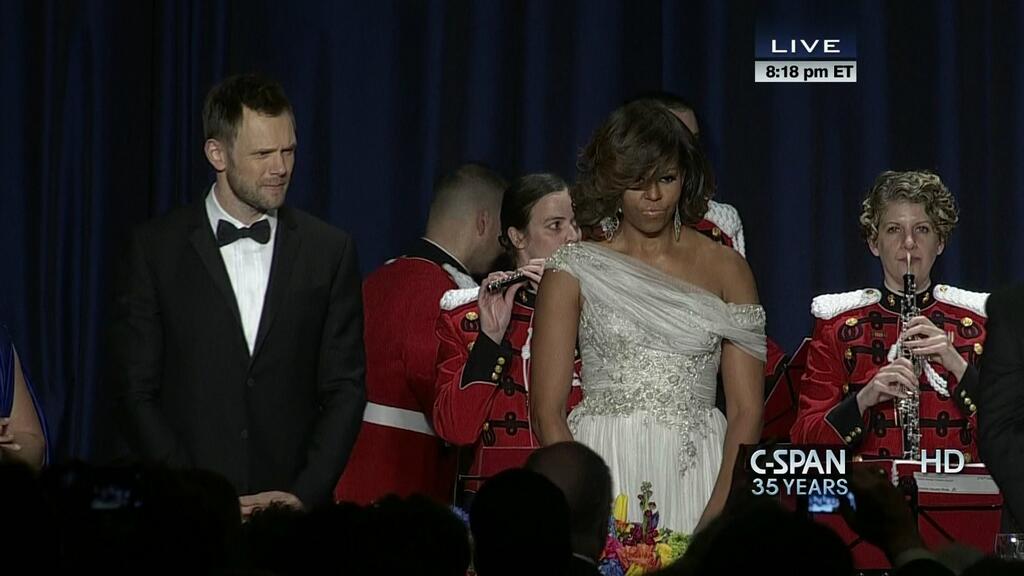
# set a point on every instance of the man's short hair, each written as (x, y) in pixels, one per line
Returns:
(222, 111)
(460, 187)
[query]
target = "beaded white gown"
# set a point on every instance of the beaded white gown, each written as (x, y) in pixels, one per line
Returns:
(651, 346)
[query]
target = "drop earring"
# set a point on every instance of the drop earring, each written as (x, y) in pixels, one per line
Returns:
(610, 225)
(677, 223)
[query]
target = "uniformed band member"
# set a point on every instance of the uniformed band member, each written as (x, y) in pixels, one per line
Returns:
(850, 382)
(484, 356)
(397, 450)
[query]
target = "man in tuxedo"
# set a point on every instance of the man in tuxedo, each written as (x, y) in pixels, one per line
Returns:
(1001, 421)
(237, 335)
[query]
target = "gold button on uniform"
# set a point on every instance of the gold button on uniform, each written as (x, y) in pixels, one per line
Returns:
(494, 376)
(851, 321)
(858, 458)
(846, 388)
(487, 426)
(963, 393)
(470, 345)
(848, 353)
(857, 430)
(847, 439)
(967, 321)
(501, 360)
(498, 369)
(974, 408)
(978, 348)
(967, 458)
(471, 316)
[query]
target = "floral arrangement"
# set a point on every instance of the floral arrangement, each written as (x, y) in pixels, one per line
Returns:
(635, 548)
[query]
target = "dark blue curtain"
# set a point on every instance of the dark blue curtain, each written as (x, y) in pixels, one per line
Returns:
(102, 131)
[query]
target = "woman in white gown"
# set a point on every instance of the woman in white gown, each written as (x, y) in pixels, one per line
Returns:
(657, 308)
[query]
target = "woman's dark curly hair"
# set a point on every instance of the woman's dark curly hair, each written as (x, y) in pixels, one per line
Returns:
(638, 141)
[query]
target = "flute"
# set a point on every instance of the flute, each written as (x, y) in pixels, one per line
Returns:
(513, 278)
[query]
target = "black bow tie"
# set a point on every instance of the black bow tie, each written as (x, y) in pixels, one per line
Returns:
(227, 233)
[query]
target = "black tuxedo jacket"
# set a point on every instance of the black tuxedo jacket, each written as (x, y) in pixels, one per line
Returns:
(188, 391)
(1001, 401)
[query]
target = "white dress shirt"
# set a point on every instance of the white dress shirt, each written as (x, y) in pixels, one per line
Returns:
(248, 265)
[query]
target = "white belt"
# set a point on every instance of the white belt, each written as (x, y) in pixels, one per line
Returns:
(392, 417)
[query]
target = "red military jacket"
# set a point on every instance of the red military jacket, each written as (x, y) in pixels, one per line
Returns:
(397, 451)
(483, 386)
(852, 337)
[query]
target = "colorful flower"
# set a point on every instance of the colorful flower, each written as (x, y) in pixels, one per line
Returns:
(610, 567)
(665, 553)
(621, 508)
(635, 548)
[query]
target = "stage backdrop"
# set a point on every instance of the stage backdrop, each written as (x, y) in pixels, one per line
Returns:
(101, 131)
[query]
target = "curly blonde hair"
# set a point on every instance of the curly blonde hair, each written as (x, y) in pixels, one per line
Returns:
(633, 144)
(919, 187)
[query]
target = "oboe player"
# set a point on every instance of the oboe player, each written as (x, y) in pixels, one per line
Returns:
(854, 373)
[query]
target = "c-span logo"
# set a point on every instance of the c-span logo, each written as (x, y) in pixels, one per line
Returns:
(799, 471)
(821, 470)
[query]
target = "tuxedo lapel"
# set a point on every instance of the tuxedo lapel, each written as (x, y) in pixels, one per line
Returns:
(286, 249)
(201, 237)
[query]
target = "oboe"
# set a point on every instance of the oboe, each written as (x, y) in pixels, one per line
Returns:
(908, 408)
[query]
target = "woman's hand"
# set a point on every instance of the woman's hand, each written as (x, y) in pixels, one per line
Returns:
(894, 380)
(534, 270)
(496, 307)
(928, 341)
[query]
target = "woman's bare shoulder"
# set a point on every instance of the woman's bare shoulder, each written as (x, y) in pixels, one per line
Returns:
(728, 270)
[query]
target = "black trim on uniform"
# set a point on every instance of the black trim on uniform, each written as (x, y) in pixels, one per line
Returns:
(424, 249)
(893, 301)
(965, 395)
(846, 419)
(485, 356)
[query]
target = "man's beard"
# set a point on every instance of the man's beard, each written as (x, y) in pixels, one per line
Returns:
(250, 193)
